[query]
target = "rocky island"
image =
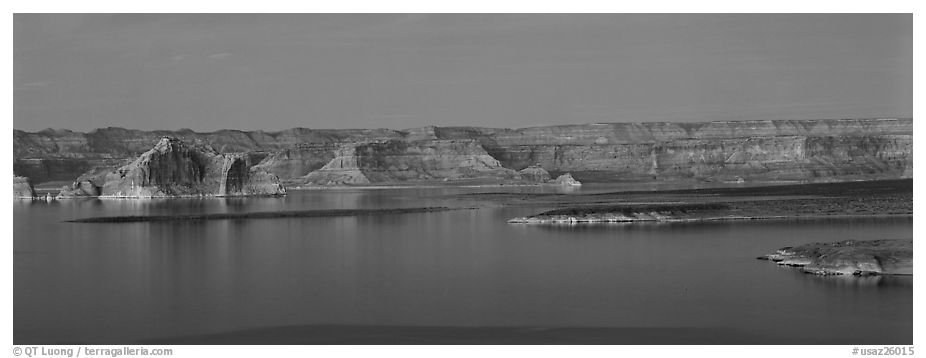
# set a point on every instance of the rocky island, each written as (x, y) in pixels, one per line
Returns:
(850, 257)
(176, 169)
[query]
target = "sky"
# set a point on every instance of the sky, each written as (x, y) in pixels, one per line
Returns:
(277, 71)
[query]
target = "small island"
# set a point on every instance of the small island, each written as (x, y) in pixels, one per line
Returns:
(879, 198)
(850, 257)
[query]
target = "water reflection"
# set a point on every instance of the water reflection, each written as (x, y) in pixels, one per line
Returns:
(854, 282)
(133, 281)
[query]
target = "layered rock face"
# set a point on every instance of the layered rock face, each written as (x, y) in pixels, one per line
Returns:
(173, 168)
(753, 150)
(298, 160)
(343, 169)
(56, 155)
(393, 161)
(22, 188)
(793, 150)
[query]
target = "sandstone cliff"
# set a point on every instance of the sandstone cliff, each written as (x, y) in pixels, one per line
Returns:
(56, 155)
(299, 160)
(798, 150)
(393, 161)
(80, 188)
(814, 150)
(22, 188)
(173, 168)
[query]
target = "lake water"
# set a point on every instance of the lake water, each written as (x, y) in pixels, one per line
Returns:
(135, 282)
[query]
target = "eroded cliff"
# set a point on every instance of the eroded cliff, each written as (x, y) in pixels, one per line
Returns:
(174, 168)
(795, 150)
(394, 161)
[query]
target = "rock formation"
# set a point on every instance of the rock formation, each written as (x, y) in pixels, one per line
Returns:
(55, 155)
(173, 168)
(850, 257)
(394, 161)
(88, 184)
(80, 188)
(793, 150)
(22, 188)
(566, 179)
(535, 174)
(343, 169)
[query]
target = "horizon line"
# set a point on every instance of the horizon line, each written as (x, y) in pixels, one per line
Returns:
(463, 126)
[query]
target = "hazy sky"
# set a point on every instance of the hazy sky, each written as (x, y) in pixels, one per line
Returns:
(272, 72)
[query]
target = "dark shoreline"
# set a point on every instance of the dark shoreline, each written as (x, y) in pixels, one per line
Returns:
(262, 215)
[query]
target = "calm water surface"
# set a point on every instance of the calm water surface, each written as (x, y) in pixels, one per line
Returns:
(131, 282)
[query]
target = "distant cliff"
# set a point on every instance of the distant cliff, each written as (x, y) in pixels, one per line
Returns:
(801, 150)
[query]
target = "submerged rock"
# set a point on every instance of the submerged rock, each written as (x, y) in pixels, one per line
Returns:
(22, 188)
(850, 257)
(566, 179)
(173, 168)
